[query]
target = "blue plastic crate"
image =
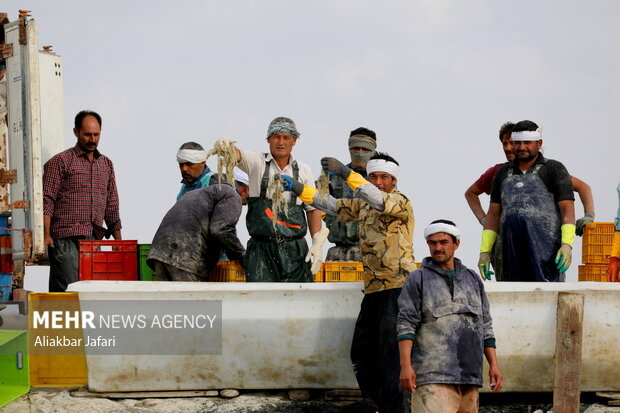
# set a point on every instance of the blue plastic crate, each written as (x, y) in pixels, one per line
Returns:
(4, 224)
(6, 284)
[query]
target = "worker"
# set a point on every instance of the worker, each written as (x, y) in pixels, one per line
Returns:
(362, 146)
(532, 208)
(483, 184)
(444, 327)
(195, 231)
(79, 193)
(386, 224)
(613, 270)
(192, 159)
(277, 251)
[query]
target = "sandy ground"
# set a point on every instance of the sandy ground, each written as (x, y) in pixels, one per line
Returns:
(61, 401)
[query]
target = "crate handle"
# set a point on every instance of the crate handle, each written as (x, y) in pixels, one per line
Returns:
(348, 268)
(20, 360)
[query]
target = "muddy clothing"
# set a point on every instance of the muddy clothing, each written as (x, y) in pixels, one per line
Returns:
(276, 250)
(386, 239)
(530, 220)
(553, 174)
(197, 228)
(449, 322)
(344, 234)
(434, 398)
(202, 182)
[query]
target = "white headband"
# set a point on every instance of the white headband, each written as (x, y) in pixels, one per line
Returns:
(526, 135)
(191, 155)
(381, 165)
(441, 227)
(241, 176)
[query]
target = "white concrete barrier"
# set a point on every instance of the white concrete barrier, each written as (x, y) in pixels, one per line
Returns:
(278, 336)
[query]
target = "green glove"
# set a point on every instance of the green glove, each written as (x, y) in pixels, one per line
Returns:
(564, 257)
(484, 264)
(581, 222)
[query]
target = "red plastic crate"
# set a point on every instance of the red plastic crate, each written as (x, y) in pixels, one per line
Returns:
(6, 254)
(98, 264)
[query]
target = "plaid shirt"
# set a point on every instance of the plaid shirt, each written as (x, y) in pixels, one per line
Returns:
(79, 194)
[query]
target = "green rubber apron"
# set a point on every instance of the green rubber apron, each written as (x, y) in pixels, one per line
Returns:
(276, 253)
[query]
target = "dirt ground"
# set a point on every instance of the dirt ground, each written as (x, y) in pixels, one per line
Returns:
(61, 401)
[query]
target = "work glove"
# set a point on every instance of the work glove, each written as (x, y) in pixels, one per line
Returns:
(333, 166)
(613, 270)
(564, 257)
(316, 251)
(484, 264)
(581, 223)
(289, 184)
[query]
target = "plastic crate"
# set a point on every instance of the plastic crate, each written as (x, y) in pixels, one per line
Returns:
(57, 370)
(146, 273)
(14, 379)
(6, 254)
(319, 277)
(97, 264)
(593, 272)
(6, 285)
(4, 224)
(343, 271)
(596, 244)
(227, 271)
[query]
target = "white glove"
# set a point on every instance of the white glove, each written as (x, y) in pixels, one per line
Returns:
(316, 251)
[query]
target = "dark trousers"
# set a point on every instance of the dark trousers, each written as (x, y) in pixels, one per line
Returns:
(166, 272)
(64, 259)
(374, 352)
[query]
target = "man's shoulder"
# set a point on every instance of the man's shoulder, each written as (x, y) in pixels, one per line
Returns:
(397, 194)
(493, 169)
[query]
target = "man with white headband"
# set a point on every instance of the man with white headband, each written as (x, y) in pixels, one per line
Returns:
(483, 185)
(197, 229)
(192, 159)
(444, 327)
(362, 146)
(385, 217)
(532, 208)
(277, 249)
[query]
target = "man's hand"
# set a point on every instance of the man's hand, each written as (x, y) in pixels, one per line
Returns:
(316, 251)
(407, 378)
(333, 166)
(48, 241)
(564, 257)
(495, 378)
(581, 223)
(613, 270)
(289, 184)
(484, 265)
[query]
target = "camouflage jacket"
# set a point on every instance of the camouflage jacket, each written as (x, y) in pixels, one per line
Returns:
(386, 239)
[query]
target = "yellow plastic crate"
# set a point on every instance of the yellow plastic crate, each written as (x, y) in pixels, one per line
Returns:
(593, 272)
(319, 277)
(227, 271)
(596, 244)
(57, 370)
(343, 271)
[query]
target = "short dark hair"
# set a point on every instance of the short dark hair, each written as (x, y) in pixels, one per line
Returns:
(446, 221)
(524, 125)
(384, 156)
(505, 129)
(79, 118)
(364, 131)
(192, 145)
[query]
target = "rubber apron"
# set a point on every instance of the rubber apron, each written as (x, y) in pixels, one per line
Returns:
(276, 253)
(529, 229)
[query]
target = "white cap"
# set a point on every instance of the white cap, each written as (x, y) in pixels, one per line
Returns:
(242, 177)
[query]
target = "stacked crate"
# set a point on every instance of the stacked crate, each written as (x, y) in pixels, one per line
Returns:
(595, 251)
(108, 260)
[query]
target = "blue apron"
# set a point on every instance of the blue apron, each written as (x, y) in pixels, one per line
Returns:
(529, 229)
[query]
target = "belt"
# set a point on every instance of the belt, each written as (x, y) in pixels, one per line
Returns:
(278, 239)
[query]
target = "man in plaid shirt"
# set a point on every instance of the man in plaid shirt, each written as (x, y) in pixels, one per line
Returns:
(79, 193)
